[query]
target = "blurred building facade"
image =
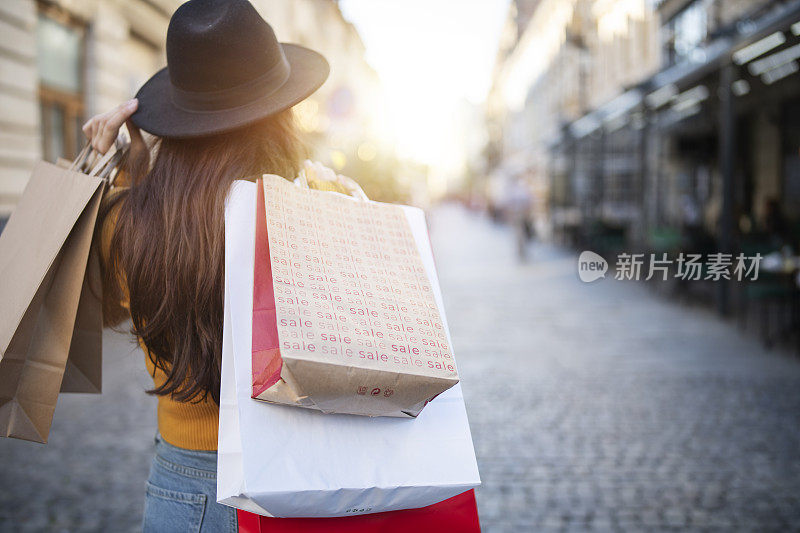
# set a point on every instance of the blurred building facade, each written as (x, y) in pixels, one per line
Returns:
(62, 61)
(655, 125)
(567, 57)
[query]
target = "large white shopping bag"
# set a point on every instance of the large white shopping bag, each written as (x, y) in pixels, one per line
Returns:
(283, 461)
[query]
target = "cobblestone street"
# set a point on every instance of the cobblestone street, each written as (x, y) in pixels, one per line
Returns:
(605, 406)
(598, 406)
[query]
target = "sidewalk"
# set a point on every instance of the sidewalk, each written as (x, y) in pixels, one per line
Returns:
(604, 406)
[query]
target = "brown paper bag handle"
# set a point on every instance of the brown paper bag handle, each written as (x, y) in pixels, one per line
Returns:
(102, 166)
(111, 165)
(82, 158)
(102, 162)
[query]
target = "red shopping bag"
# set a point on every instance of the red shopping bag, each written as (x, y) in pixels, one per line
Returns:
(458, 514)
(266, 359)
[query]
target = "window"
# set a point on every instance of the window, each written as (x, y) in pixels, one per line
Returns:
(686, 33)
(60, 50)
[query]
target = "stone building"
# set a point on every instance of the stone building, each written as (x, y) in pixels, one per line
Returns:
(572, 56)
(658, 125)
(63, 60)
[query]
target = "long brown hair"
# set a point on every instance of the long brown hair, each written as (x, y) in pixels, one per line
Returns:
(167, 250)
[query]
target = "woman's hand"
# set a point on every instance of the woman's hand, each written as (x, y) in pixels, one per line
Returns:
(102, 130)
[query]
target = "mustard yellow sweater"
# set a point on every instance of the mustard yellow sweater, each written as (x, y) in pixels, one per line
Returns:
(187, 425)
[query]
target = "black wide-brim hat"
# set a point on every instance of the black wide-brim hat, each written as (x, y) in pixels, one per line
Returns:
(225, 69)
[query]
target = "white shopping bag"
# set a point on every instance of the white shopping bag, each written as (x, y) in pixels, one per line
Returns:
(284, 461)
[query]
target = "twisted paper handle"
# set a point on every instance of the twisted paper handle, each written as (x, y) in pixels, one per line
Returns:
(315, 171)
(103, 166)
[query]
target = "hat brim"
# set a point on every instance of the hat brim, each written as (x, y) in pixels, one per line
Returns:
(157, 113)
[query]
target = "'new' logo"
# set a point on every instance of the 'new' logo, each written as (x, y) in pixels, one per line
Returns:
(591, 266)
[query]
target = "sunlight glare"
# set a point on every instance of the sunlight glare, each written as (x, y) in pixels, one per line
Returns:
(434, 58)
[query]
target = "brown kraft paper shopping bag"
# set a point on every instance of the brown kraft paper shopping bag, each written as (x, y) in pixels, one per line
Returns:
(344, 317)
(49, 314)
(83, 372)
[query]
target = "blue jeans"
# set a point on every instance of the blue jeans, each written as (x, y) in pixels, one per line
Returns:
(181, 493)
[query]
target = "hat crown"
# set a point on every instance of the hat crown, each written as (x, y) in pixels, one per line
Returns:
(214, 45)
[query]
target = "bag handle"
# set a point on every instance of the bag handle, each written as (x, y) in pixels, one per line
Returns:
(101, 163)
(353, 187)
(82, 159)
(326, 174)
(105, 167)
(102, 166)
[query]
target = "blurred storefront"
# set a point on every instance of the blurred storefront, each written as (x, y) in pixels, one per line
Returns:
(685, 135)
(63, 60)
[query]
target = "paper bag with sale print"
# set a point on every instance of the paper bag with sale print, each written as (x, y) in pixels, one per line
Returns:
(344, 317)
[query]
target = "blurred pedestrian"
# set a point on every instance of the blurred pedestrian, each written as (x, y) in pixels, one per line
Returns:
(220, 111)
(518, 209)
